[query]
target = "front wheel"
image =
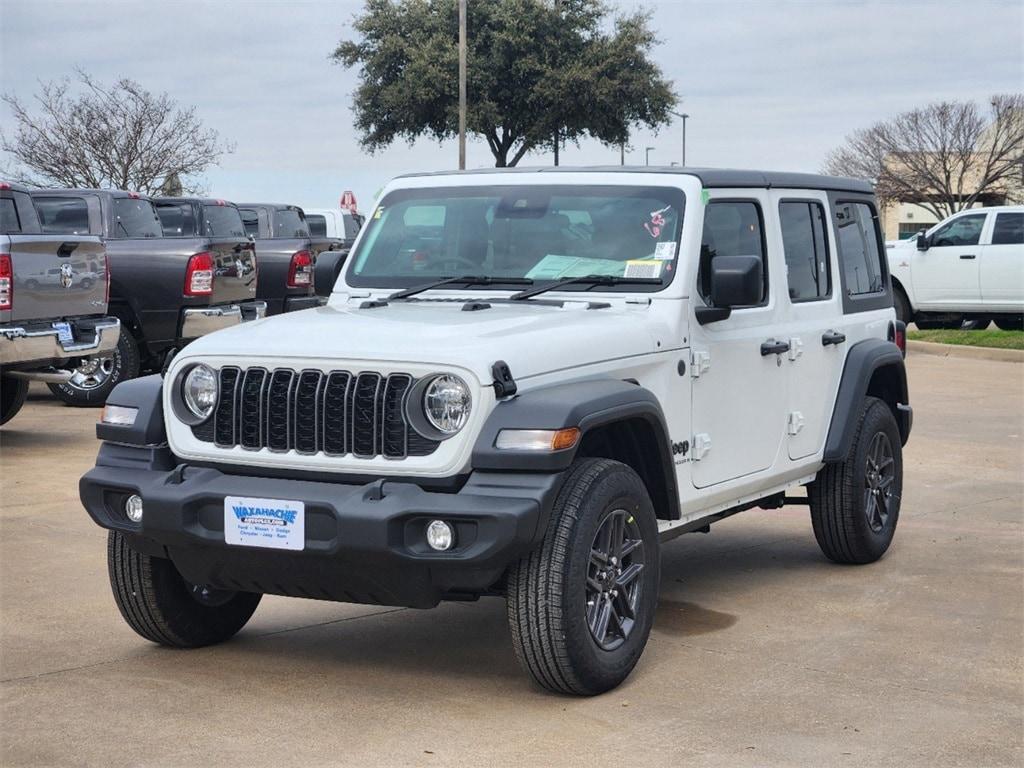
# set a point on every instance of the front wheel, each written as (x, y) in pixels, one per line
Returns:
(580, 606)
(1010, 322)
(855, 504)
(161, 606)
(94, 379)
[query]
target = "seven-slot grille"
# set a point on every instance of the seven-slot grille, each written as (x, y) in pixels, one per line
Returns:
(309, 411)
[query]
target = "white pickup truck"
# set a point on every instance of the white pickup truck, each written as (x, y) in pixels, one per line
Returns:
(968, 268)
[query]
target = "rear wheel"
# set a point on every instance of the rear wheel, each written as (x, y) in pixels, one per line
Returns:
(161, 606)
(92, 381)
(580, 607)
(13, 393)
(1010, 322)
(855, 504)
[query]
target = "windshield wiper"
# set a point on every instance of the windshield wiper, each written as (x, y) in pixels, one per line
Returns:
(465, 280)
(592, 280)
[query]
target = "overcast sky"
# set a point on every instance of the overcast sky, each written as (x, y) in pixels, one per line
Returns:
(769, 85)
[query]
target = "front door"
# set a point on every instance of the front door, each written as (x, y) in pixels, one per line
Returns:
(739, 376)
(946, 275)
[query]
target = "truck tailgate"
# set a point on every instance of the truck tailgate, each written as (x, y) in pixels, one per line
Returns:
(234, 270)
(58, 276)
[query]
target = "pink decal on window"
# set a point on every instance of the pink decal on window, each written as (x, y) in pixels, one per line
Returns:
(656, 223)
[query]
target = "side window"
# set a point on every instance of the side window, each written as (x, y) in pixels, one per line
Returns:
(857, 233)
(63, 215)
(965, 230)
(251, 221)
(317, 224)
(176, 219)
(9, 222)
(1009, 229)
(805, 245)
(731, 228)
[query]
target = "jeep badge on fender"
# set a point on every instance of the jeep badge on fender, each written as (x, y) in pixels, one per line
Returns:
(492, 403)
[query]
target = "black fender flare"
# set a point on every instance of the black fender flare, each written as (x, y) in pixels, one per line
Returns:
(863, 360)
(586, 404)
(144, 394)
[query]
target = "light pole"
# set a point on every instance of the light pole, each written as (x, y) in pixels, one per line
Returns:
(684, 116)
(647, 155)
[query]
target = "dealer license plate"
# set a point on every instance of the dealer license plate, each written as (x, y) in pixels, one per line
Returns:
(64, 334)
(269, 523)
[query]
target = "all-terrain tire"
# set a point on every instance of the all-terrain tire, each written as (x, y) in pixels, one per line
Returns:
(848, 528)
(161, 606)
(547, 595)
(1010, 322)
(90, 392)
(13, 393)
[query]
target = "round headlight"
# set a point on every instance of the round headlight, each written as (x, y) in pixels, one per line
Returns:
(446, 403)
(199, 391)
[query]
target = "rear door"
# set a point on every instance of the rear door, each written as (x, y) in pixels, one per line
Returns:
(1002, 262)
(61, 273)
(234, 254)
(739, 400)
(946, 276)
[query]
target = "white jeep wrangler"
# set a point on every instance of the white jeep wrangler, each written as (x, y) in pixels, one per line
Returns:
(523, 383)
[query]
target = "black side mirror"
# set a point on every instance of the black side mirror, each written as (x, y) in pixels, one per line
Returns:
(922, 241)
(736, 281)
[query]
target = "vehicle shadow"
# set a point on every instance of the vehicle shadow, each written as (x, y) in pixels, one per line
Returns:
(13, 438)
(471, 640)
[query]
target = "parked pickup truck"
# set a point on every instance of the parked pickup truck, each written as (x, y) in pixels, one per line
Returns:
(165, 290)
(968, 268)
(341, 227)
(53, 300)
(286, 253)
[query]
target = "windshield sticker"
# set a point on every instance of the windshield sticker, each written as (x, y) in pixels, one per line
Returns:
(378, 212)
(665, 251)
(554, 267)
(643, 268)
(704, 196)
(656, 223)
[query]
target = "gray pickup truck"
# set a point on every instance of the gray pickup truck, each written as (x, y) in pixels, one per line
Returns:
(53, 301)
(286, 253)
(166, 291)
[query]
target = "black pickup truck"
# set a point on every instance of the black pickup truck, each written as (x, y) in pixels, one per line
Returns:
(287, 255)
(53, 300)
(165, 290)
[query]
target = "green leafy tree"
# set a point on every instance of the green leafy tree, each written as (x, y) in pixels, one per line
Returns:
(536, 71)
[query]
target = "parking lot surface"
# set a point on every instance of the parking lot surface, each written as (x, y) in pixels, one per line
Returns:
(763, 653)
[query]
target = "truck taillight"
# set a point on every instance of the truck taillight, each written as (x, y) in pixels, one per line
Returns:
(300, 271)
(6, 282)
(106, 292)
(898, 335)
(199, 275)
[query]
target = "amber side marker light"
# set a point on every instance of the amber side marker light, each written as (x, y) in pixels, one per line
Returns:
(540, 440)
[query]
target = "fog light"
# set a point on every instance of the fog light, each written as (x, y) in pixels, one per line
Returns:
(440, 535)
(133, 508)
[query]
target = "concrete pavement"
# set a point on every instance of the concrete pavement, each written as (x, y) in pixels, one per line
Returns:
(763, 653)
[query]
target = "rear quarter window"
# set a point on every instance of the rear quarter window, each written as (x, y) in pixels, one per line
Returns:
(10, 224)
(63, 215)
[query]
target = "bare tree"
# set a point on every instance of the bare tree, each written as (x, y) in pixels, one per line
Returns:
(942, 157)
(121, 136)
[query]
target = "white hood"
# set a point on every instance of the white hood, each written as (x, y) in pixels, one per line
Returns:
(531, 337)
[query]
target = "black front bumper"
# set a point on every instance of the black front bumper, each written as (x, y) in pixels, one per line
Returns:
(363, 543)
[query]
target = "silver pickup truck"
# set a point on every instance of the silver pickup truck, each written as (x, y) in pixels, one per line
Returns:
(53, 300)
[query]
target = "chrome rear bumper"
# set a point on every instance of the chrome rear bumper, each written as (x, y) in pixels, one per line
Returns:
(203, 320)
(20, 344)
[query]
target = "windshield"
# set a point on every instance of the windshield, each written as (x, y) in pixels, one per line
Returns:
(134, 217)
(541, 232)
(223, 221)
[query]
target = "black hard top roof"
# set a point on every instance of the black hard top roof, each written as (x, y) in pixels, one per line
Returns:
(709, 177)
(275, 206)
(71, 192)
(200, 200)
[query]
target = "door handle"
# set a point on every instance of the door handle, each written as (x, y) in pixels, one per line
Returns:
(832, 337)
(967, 256)
(773, 347)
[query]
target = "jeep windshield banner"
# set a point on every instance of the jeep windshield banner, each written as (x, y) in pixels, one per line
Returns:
(540, 233)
